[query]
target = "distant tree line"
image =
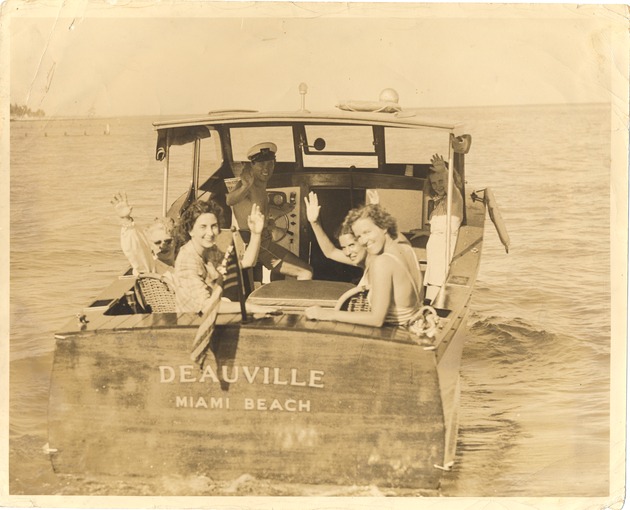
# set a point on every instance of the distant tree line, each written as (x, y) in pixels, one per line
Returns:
(18, 110)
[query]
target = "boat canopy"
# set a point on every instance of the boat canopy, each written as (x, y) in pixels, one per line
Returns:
(178, 136)
(386, 142)
(181, 131)
(402, 119)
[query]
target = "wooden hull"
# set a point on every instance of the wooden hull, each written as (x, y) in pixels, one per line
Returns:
(311, 407)
(281, 398)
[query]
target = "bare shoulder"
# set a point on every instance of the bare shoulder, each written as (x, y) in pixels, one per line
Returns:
(383, 263)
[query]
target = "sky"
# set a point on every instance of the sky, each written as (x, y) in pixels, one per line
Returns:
(105, 59)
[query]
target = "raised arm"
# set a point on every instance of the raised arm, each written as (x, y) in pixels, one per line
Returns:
(380, 299)
(458, 203)
(255, 223)
(326, 245)
(133, 242)
(122, 207)
(371, 197)
(242, 188)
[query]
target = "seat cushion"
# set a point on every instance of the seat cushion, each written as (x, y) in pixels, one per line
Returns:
(299, 294)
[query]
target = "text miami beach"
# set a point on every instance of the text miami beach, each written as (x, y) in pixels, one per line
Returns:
(273, 376)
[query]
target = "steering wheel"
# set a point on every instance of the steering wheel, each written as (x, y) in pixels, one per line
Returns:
(277, 223)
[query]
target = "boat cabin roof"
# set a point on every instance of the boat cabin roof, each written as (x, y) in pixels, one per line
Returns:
(402, 119)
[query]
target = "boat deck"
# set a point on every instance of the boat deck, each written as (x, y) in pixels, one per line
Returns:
(458, 291)
(289, 320)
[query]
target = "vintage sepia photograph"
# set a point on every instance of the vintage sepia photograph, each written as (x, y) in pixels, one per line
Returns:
(295, 254)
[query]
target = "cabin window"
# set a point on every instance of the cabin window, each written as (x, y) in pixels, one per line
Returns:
(180, 164)
(346, 146)
(244, 138)
(210, 157)
(415, 145)
(406, 205)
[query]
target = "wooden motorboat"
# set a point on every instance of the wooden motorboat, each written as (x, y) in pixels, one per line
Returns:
(280, 397)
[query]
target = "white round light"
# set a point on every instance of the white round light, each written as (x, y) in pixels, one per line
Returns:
(389, 96)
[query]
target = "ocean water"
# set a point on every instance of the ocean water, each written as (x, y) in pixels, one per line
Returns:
(535, 404)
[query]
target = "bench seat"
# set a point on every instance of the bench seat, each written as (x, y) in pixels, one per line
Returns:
(299, 294)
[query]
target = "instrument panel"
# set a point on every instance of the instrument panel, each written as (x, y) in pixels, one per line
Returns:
(283, 219)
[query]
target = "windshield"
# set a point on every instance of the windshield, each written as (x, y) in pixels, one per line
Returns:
(415, 145)
(246, 137)
(345, 146)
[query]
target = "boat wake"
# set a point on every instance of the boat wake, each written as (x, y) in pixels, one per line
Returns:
(516, 394)
(514, 340)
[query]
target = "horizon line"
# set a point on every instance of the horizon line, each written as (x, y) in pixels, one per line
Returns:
(155, 115)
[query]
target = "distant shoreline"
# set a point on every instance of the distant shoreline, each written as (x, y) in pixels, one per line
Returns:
(94, 118)
(27, 118)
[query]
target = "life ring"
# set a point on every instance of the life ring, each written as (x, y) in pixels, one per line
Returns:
(369, 106)
(495, 216)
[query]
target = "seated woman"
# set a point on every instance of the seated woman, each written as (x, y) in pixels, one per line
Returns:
(198, 276)
(351, 252)
(392, 275)
(436, 246)
(150, 250)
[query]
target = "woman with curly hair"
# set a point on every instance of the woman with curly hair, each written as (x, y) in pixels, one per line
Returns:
(198, 282)
(393, 275)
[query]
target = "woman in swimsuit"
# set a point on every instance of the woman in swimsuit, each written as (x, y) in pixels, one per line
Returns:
(350, 251)
(393, 275)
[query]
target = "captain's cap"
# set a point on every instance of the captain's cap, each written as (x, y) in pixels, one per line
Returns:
(262, 152)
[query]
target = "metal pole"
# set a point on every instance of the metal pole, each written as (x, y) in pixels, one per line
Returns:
(449, 205)
(165, 183)
(440, 298)
(239, 276)
(195, 175)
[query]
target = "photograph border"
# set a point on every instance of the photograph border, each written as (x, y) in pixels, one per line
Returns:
(619, 94)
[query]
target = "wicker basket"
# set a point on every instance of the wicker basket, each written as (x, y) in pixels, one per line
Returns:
(355, 300)
(155, 293)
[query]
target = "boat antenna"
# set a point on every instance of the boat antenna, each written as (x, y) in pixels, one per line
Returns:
(303, 88)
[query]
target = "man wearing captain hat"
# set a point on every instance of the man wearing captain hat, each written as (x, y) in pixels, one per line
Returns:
(265, 151)
(252, 189)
